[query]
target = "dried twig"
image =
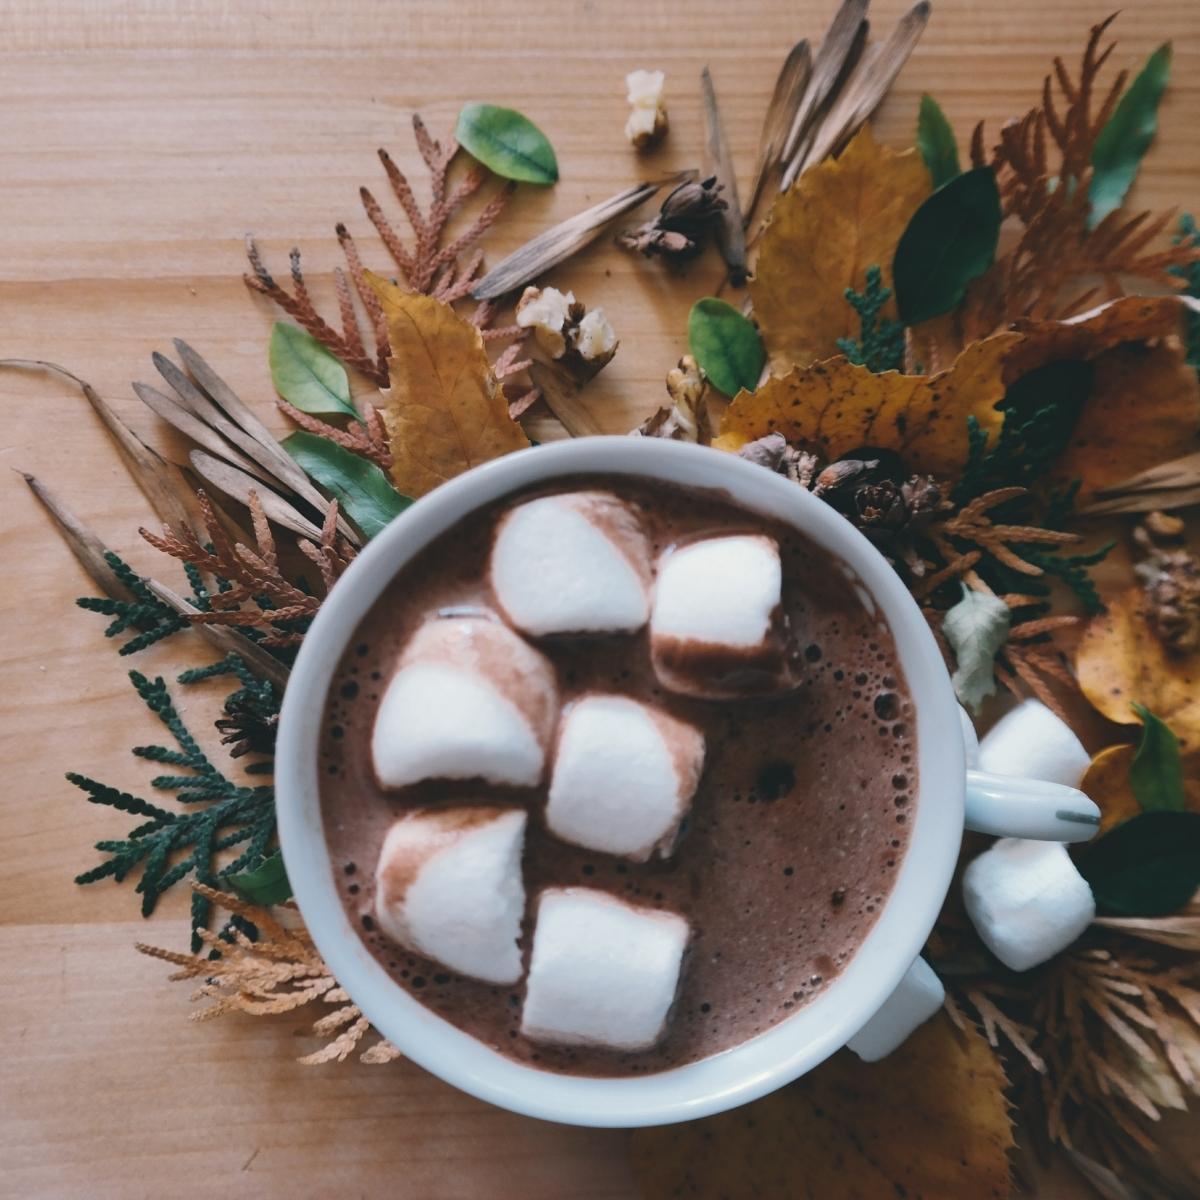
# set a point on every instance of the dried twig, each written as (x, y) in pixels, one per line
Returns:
(279, 972)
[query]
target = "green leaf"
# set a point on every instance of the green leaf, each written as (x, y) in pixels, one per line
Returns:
(360, 487)
(936, 142)
(1156, 773)
(950, 240)
(976, 627)
(507, 143)
(266, 885)
(1118, 151)
(726, 345)
(306, 374)
(1148, 866)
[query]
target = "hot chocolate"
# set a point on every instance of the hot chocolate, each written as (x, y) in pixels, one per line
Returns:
(773, 819)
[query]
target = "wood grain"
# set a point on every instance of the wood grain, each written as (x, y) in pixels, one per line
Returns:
(139, 141)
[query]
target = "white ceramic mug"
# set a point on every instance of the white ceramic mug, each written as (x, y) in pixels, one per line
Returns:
(868, 985)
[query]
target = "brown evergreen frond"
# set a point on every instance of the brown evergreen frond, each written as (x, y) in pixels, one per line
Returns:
(279, 972)
(369, 438)
(258, 594)
(1043, 169)
(431, 262)
(1100, 1039)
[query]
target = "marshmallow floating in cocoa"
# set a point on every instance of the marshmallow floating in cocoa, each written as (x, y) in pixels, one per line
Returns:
(449, 887)
(1032, 741)
(577, 562)
(623, 777)
(470, 699)
(603, 972)
(1027, 901)
(716, 625)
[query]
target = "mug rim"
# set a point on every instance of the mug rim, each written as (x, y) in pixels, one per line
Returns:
(740, 1073)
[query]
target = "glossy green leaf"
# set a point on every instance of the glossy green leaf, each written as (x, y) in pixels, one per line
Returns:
(360, 487)
(950, 240)
(1156, 773)
(936, 142)
(266, 884)
(1148, 866)
(1126, 137)
(726, 345)
(306, 374)
(507, 143)
(976, 627)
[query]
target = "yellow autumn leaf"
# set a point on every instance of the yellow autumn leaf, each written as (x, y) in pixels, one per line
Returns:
(1106, 781)
(1120, 660)
(838, 219)
(834, 407)
(929, 1120)
(444, 410)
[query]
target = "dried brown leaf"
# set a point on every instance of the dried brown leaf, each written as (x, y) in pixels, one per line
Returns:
(929, 1120)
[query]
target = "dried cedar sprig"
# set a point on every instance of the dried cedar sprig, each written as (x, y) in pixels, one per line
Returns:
(277, 972)
(431, 262)
(1043, 168)
(1097, 1042)
(368, 437)
(256, 594)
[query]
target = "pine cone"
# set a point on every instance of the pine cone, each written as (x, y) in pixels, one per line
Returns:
(1170, 576)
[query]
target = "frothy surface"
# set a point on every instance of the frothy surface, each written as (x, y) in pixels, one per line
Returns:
(798, 825)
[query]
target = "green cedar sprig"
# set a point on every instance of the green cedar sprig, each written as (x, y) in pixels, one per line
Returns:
(880, 343)
(145, 616)
(227, 815)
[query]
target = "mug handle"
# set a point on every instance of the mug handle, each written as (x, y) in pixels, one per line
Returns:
(916, 998)
(1012, 806)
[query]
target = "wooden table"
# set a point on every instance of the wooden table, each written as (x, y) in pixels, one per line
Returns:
(139, 141)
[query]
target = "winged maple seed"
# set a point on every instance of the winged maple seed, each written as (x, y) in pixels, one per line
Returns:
(432, 263)
(1049, 272)
(279, 972)
(256, 594)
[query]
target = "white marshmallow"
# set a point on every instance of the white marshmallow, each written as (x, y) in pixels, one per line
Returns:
(470, 699)
(970, 739)
(916, 998)
(448, 886)
(1027, 901)
(603, 972)
(1033, 742)
(577, 562)
(623, 778)
(714, 626)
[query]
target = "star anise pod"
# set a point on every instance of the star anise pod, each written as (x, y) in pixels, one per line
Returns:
(685, 216)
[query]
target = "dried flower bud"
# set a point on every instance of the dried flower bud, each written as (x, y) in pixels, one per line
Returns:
(647, 124)
(774, 453)
(678, 230)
